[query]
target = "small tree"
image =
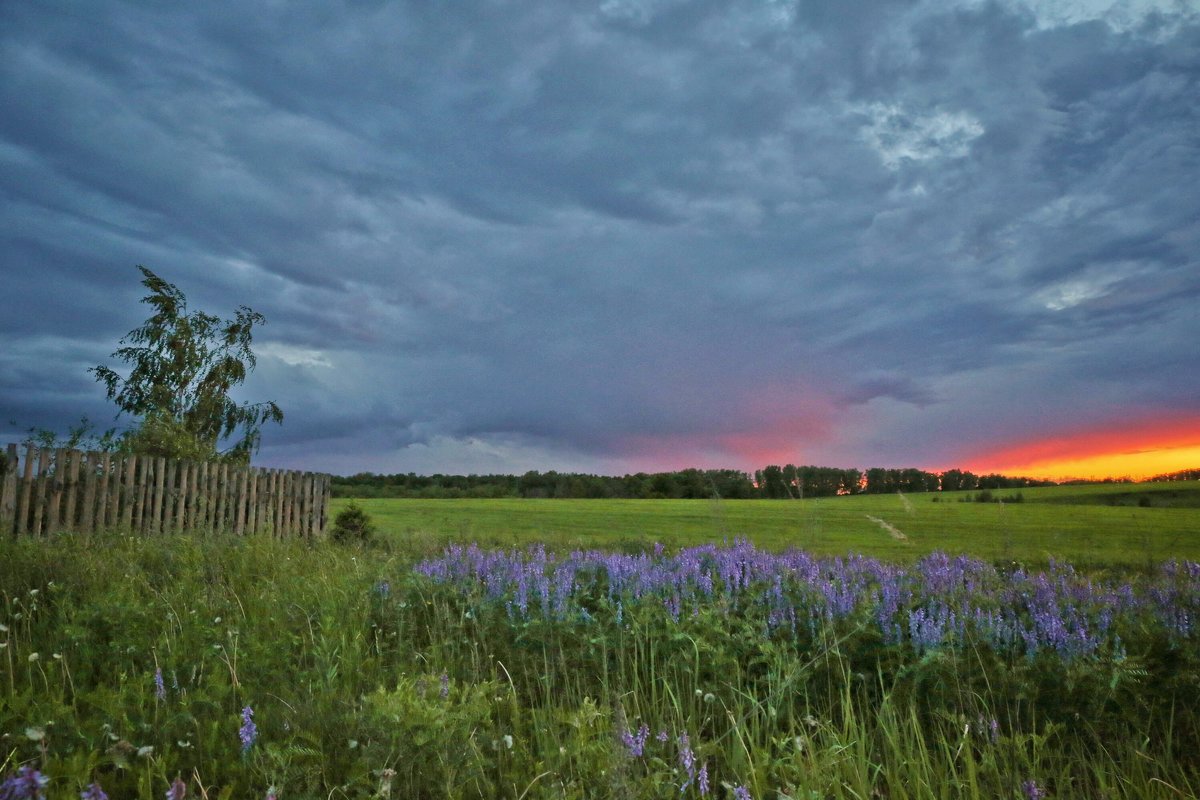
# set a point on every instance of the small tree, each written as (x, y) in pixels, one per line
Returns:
(352, 526)
(182, 368)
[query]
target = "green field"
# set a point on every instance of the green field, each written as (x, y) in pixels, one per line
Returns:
(1074, 523)
(251, 667)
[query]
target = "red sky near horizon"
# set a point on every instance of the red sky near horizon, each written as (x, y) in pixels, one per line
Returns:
(1139, 450)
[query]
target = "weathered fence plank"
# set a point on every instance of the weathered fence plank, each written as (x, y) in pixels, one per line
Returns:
(39, 502)
(87, 515)
(25, 497)
(70, 509)
(8, 493)
(54, 501)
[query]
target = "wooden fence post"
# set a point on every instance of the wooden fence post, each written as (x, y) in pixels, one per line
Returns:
(40, 480)
(54, 506)
(25, 497)
(312, 506)
(70, 515)
(168, 497)
(102, 499)
(128, 493)
(139, 493)
(202, 498)
(273, 511)
(181, 497)
(252, 501)
(116, 471)
(8, 494)
(160, 492)
(87, 515)
(328, 495)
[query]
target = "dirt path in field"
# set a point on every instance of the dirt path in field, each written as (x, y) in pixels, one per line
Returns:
(892, 530)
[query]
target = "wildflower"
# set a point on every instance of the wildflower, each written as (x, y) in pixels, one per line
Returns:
(249, 731)
(160, 689)
(383, 589)
(635, 743)
(33, 657)
(741, 793)
(93, 792)
(445, 685)
(1032, 790)
(178, 790)
(27, 784)
(145, 751)
(702, 779)
(272, 793)
(687, 760)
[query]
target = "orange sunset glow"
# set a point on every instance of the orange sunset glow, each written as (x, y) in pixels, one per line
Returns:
(1136, 451)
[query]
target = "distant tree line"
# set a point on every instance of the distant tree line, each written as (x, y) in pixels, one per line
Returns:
(1181, 475)
(772, 482)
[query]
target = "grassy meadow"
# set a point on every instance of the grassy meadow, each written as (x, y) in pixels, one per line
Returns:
(1074, 523)
(430, 663)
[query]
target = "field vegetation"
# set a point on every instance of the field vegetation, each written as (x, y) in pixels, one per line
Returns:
(1090, 525)
(582, 659)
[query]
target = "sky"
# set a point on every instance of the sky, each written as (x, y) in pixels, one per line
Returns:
(622, 235)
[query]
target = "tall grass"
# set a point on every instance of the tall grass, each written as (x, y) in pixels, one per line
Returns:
(367, 678)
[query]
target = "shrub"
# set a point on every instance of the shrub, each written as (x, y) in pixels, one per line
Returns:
(352, 524)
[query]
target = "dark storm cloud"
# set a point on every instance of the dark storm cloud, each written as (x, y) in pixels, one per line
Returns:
(519, 235)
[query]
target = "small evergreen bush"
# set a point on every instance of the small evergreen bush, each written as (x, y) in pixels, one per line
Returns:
(352, 525)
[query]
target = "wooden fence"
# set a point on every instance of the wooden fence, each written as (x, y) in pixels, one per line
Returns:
(46, 491)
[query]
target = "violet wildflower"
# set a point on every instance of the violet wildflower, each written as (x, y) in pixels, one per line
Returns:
(445, 685)
(741, 793)
(687, 760)
(635, 743)
(178, 790)
(249, 731)
(27, 784)
(662, 736)
(702, 779)
(93, 792)
(1032, 790)
(160, 689)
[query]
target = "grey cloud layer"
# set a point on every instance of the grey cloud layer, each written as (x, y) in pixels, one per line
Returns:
(575, 228)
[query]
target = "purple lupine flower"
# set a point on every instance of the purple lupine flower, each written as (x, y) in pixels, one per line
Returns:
(635, 743)
(662, 736)
(249, 731)
(178, 790)
(702, 779)
(383, 589)
(741, 793)
(27, 784)
(160, 689)
(93, 792)
(1032, 790)
(445, 685)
